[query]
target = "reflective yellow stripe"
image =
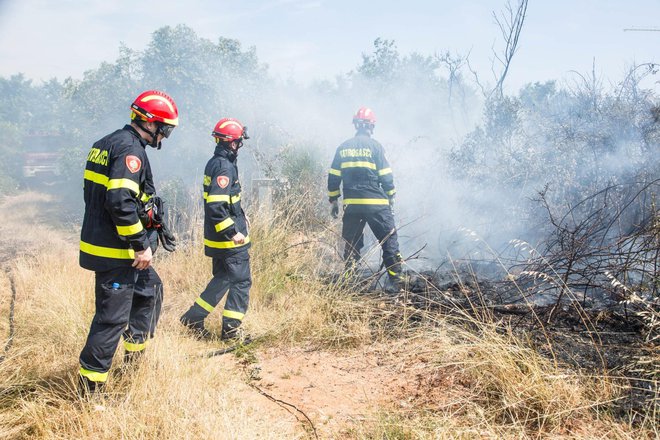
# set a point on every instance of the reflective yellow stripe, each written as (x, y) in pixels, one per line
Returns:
(217, 198)
(361, 164)
(168, 103)
(107, 252)
(335, 172)
(113, 183)
(226, 123)
(207, 180)
(366, 202)
(391, 273)
(145, 197)
(333, 193)
(129, 230)
(130, 346)
(124, 183)
(225, 244)
(94, 376)
(96, 177)
(224, 224)
(222, 198)
(203, 304)
(233, 315)
(391, 192)
(385, 171)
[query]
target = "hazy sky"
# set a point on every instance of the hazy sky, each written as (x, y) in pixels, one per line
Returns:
(321, 38)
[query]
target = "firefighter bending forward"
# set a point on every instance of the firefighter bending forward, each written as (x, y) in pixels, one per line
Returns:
(115, 244)
(368, 190)
(226, 238)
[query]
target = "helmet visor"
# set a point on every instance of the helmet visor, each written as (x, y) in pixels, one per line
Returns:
(166, 129)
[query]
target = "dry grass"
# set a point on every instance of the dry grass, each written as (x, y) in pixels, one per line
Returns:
(455, 382)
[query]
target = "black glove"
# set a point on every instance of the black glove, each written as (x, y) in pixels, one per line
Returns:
(334, 209)
(167, 239)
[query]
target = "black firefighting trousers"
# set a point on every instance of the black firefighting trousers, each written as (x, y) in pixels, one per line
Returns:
(128, 303)
(381, 222)
(230, 274)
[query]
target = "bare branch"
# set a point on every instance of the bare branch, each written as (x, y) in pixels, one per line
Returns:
(510, 22)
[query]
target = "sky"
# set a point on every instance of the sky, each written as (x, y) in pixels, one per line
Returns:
(319, 39)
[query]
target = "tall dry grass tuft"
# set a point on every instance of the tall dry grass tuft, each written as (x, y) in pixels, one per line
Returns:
(517, 386)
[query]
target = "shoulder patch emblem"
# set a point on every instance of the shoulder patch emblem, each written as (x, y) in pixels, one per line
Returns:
(133, 163)
(223, 181)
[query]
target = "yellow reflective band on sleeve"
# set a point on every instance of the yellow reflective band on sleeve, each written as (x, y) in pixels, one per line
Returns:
(385, 171)
(145, 197)
(224, 224)
(124, 183)
(225, 244)
(217, 198)
(112, 183)
(392, 273)
(233, 315)
(130, 346)
(366, 202)
(222, 198)
(94, 376)
(361, 164)
(334, 172)
(130, 230)
(100, 251)
(203, 304)
(96, 177)
(391, 192)
(333, 193)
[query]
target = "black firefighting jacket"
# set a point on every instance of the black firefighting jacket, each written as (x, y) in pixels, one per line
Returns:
(117, 175)
(223, 215)
(361, 167)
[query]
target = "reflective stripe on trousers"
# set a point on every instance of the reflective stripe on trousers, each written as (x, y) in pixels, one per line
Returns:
(231, 276)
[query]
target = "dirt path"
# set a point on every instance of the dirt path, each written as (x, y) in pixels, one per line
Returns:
(337, 392)
(333, 390)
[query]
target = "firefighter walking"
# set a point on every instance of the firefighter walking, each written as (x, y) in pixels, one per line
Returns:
(226, 238)
(361, 169)
(114, 242)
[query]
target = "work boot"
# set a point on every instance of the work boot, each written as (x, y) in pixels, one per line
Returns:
(235, 334)
(396, 284)
(197, 329)
(132, 357)
(88, 388)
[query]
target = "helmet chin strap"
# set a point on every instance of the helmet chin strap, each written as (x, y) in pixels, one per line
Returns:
(154, 135)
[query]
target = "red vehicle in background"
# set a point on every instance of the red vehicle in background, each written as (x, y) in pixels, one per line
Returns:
(41, 157)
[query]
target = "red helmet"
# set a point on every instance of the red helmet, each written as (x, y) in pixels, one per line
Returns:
(364, 116)
(155, 106)
(229, 129)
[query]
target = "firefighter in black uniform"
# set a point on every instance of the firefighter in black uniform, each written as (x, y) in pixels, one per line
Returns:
(226, 238)
(114, 242)
(368, 191)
